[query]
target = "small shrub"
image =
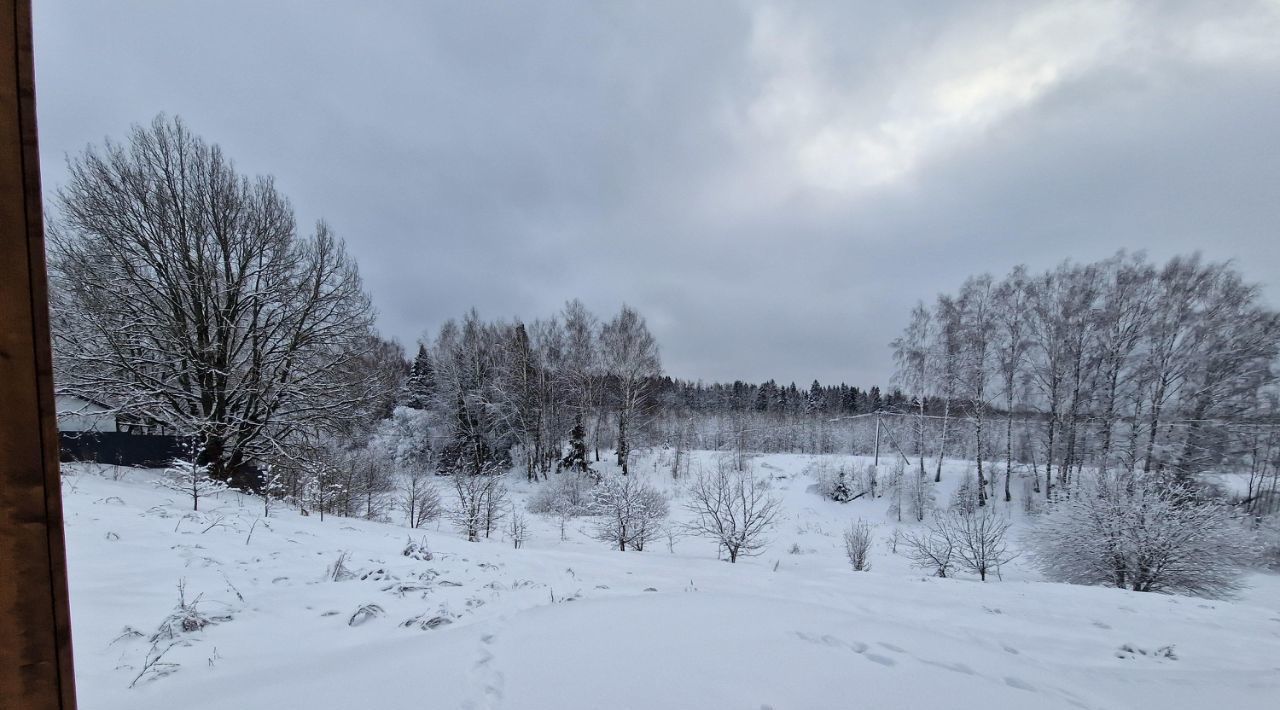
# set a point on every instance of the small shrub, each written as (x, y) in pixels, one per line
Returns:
(418, 550)
(857, 544)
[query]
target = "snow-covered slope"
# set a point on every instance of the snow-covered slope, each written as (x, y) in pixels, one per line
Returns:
(576, 625)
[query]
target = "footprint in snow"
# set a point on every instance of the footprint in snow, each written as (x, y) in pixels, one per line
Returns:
(1020, 684)
(891, 647)
(489, 678)
(953, 667)
(882, 660)
(832, 641)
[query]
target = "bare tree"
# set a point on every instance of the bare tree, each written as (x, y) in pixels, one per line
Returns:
(183, 295)
(630, 356)
(1123, 316)
(911, 354)
(946, 354)
(517, 528)
(477, 503)
(583, 367)
(931, 548)
(1011, 314)
(419, 498)
(979, 539)
(733, 507)
(977, 326)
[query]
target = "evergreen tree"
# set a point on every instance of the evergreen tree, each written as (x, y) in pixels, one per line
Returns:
(817, 401)
(421, 385)
(576, 459)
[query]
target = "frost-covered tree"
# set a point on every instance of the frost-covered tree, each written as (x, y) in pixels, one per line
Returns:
(478, 504)
(1137, 532)
(183, 294)
(911, 356)
(733, 507)
(1113, 365)
(630, 357)
(965, 497)
(631, 512)
(188, 477)
(575, 459)
(977, 310)
(1011, 346)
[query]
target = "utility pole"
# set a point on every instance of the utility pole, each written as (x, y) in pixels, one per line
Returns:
(877, 438)
(35, 619)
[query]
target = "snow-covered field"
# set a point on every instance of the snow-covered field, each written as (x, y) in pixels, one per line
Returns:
(575, 624)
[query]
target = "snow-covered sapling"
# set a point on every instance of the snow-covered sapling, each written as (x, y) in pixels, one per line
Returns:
(190, 478)
(517, 528)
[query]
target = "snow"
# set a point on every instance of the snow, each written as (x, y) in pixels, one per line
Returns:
(573, 624)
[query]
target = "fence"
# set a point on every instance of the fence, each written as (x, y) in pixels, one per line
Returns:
(111, 447)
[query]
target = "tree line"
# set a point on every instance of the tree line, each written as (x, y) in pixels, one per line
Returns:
(1122, 364)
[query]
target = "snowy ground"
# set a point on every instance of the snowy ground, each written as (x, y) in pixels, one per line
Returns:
(574, 624)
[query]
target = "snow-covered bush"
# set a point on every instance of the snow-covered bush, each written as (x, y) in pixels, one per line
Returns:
(976, 542)
(631, 511)
(563, 498)
(735, 508)
(1143, 534)
(857, 544)
(569, 492)
(418, 550)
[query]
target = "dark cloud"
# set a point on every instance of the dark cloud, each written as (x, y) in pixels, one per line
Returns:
(772, 185)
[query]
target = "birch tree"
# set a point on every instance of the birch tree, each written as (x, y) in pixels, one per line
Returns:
(630, 356)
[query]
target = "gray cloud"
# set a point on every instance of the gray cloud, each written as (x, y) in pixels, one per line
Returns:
(773, 185)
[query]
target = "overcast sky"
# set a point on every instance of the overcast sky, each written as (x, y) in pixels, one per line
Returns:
(771, 184)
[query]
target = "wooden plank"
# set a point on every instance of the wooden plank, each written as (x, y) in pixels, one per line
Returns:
(35, 630)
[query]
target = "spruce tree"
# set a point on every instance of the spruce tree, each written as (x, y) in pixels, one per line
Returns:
(421, 384)
(576, 459)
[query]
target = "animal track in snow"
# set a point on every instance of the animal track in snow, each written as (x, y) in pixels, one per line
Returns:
(487, 676)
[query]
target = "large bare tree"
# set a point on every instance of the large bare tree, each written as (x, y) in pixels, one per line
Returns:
(184, 294)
